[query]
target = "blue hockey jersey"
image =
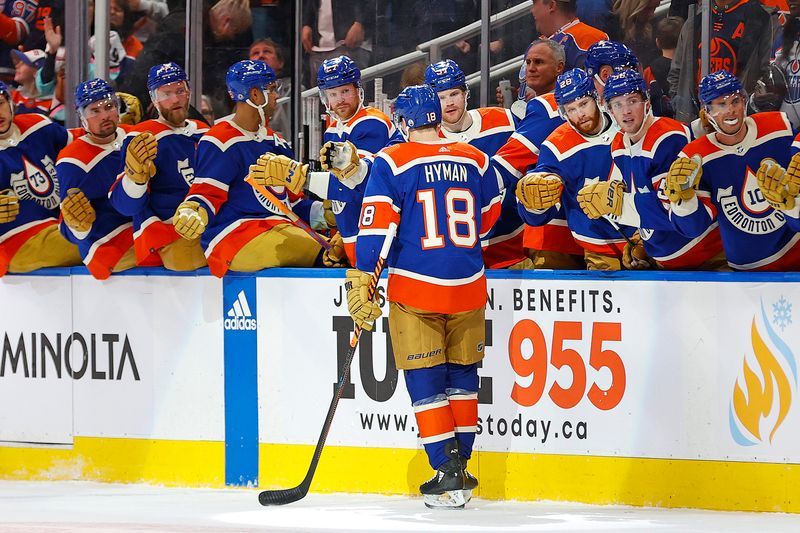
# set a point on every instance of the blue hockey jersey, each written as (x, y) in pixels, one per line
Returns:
(236, 211)
(579, 160)
(445, 197)
(153, 205)
(520, 154)
(490, 130)
(92, 168)
(28, 168)
(754, 235)
(643, 166)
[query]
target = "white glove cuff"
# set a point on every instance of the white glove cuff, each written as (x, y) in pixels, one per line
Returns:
(133, 189)
(686, 207)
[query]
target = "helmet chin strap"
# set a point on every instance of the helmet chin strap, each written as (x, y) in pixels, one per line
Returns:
(260, 108)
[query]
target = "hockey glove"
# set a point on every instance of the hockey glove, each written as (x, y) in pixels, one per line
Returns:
(139, 166)
(363, 310)
(635, 257)
(793, 175)
(77, 212)
(328, 214)
(9, 206)
(602, 198)
(771, 180)
(539, 190)
(272, 170)
(340, 159)
(336, 256)
(190, 220)
(682, 179)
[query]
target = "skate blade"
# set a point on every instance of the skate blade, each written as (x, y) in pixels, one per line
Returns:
(453, 499)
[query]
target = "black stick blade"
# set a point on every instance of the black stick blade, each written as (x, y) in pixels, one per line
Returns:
(282, 496)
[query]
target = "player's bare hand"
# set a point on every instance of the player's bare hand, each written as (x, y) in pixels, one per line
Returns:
(9, 206)
(602, 198)
(682, 179)
(363, 310)
(77, 211)
(539, 190)
(190, 220)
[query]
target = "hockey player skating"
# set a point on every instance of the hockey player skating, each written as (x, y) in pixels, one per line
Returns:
(238, 227)
(444, 196)
(716, 178)
(643, 151)
(29, 235)
(86, 169)
(487, 129)
(576, 154)
(158, 158)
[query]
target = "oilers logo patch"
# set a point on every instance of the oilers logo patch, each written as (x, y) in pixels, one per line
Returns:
(37, 183)
(269, 205)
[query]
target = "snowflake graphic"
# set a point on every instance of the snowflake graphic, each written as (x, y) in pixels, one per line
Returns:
(782, 313)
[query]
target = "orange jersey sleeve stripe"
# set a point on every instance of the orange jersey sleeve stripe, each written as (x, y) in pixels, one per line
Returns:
(379, 215)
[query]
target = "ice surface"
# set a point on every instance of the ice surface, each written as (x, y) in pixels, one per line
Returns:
(97, 507)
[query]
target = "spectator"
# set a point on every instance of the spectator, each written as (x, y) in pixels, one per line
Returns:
(414, 74)
(787, 61)
(15, 19)
(270, 52)
(26, 97)
(598, 14)
(53, 9)
(120, 64)
(207, 111)
(635, 22)
(50, 77)
(556, 19)
(743, 33)
(332, 28)
(667, 33)
(269, 20)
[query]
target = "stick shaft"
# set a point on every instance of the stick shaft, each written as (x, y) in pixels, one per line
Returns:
(291, 215)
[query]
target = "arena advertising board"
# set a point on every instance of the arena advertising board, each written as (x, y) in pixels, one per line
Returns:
(133, 356)
(633, 368)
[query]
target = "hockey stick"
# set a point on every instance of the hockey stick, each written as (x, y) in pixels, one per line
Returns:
(284, 496)
(296, 220)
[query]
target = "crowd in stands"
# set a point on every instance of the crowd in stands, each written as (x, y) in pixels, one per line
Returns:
(167, 180)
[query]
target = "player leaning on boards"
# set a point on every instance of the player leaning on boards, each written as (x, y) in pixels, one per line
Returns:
(86, 169)
(29, 236)
(353, 131)
(444, 196)
(487, 129)
(714, 180)
(576, 154)
(158, 159)
(238, 227)
(643, 151)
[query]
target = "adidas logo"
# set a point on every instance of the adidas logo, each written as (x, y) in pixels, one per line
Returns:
(239, 315)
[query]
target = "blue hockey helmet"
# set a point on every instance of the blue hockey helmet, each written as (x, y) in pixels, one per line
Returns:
(445, 75)
(625, 82)
(336, 72)
(5, 92)
(419, 106)
(716, 84)
(572, 85)
(163, 74)
(616, 55)
(91, 91)
(246, 75)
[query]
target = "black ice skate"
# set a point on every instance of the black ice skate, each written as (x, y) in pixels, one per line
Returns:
(446, 488)
(470, 481)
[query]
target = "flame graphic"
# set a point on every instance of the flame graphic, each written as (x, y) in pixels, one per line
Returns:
(759, 400)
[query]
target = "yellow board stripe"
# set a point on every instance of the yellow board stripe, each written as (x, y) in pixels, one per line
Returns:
(597, 480)
(163, 462)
